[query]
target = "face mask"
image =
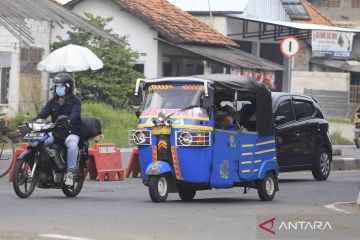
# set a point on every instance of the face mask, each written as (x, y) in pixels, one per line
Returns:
(60, 91)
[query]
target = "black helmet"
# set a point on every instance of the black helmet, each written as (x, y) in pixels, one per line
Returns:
(65, 80)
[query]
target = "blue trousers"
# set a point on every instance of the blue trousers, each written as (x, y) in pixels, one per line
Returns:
(71, 142)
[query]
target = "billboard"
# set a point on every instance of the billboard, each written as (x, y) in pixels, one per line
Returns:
(266, 77)
(331, 44)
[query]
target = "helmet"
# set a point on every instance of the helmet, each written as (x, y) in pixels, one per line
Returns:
(65, 80)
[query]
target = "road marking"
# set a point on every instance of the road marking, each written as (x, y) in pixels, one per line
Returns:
(59, 236)
(333, 207)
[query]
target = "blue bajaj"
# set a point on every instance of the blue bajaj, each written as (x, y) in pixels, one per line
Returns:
(204, 132)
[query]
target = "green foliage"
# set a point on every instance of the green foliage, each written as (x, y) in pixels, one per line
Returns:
(115, 124)
(18, 119)
(114, 83)
(337, 139)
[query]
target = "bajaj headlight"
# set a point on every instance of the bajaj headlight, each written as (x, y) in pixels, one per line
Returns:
(193, 138)
(140, 137)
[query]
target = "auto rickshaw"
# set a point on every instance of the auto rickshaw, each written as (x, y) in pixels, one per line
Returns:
(184, 146)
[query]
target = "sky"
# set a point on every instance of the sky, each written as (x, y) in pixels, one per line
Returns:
(216, 5)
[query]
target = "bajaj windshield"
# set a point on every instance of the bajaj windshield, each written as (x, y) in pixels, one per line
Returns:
(169, 99)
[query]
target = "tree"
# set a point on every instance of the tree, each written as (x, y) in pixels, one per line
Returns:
(114, 83)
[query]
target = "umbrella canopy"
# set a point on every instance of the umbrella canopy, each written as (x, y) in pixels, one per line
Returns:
(71, 58)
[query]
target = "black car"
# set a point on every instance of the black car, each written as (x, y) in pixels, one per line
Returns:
(301, 134)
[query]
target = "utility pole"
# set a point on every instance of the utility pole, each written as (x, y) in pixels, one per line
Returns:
(210, 13)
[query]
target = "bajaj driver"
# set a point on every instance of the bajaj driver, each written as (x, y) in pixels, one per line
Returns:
(67, 132)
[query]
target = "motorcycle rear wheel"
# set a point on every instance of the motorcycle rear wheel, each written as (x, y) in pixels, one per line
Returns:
(22, 177)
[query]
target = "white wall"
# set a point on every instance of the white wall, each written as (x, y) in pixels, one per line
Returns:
(141, 36)
(329, 81)
(40, 31)
(219, 23)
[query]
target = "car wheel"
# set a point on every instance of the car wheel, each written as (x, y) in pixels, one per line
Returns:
(159, 188)
(321, 169)
(267, 187)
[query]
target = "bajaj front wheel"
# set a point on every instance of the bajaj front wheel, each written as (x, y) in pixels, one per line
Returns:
(159, 188)
(267, 187)
(24, 179)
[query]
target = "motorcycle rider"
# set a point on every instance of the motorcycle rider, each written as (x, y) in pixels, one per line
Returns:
(67, 132)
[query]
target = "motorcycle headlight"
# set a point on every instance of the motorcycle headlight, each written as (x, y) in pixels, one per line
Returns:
(140, 137)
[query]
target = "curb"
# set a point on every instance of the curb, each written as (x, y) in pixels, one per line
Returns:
(345, 164)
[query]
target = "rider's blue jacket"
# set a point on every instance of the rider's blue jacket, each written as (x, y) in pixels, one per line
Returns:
(71, 108)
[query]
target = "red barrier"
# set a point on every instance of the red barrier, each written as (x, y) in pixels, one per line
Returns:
(134, 164)
(105, 162)
(18, 151)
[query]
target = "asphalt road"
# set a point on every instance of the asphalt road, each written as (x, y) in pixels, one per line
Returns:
(123, 210)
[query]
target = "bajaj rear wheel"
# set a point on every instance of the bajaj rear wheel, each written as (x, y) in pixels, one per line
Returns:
(267, 187)
(159, 188)
(186, 193)
(23, 183)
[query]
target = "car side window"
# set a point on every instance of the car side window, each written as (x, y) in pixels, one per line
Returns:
(304, 109)
(285, 109)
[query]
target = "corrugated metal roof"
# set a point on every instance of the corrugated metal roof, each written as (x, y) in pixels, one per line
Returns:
(237, 6)
(14, 12)
(300, 26)
(339, 64)
(230, 56)
(295, 9)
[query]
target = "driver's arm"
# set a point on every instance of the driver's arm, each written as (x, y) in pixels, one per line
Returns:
(75, 111)
(45, 112)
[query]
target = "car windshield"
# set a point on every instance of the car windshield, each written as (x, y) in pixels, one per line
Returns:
(169, 99)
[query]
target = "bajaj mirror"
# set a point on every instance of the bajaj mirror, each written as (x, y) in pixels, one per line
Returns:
(280, 120)
(137, 99)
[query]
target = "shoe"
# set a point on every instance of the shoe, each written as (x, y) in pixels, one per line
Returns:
(69, 179)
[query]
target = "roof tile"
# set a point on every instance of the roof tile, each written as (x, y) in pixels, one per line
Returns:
(315, 15)
(174, 24)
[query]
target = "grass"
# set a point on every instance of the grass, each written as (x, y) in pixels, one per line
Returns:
(339, 120)
(337, 139)
(115, 123)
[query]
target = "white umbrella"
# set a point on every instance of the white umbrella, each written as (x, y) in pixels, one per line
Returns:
(71, 58)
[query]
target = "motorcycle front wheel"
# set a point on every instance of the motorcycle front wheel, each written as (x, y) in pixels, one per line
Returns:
(74, 190)
(24, 179)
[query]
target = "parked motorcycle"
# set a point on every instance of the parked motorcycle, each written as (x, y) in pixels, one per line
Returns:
(45, 166)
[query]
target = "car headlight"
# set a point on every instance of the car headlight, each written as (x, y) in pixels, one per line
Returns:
(140, 137)
(193, 139)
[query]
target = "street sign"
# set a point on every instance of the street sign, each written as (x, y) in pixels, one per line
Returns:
(290, 46)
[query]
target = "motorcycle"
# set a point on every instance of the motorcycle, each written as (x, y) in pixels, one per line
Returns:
(45, 166)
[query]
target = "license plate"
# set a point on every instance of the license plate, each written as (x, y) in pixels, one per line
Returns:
(161, 130)
(34, 136)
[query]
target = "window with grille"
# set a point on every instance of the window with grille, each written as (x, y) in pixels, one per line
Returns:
(329, 3)
(355, 3)
(5, 63)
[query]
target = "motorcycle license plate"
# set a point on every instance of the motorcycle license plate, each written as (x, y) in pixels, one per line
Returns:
(34, 136)
(158, 130)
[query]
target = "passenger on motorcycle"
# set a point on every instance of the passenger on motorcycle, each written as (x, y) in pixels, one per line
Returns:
(65, 108)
